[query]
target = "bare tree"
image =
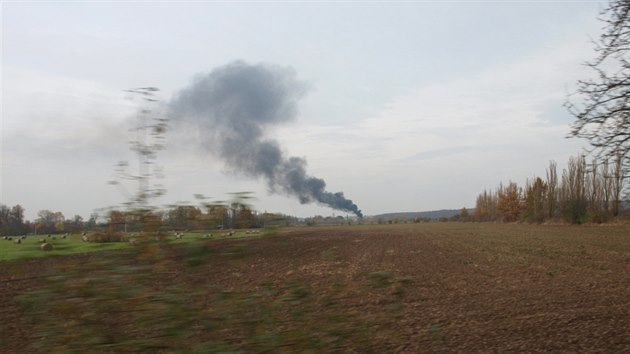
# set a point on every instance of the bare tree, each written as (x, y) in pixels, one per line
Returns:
(607, 185)
(573, 201)
(552, 189)
(485, 207)
(603, 109)
(617, 183)
(535, 200)
(594, 188)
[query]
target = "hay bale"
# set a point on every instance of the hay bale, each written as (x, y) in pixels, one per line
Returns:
(18, 241)
(42, 240)
(46, 246)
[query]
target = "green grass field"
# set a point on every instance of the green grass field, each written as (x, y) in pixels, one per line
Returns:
(72, 244)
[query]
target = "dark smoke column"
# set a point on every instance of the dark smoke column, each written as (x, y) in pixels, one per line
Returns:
(232, 106)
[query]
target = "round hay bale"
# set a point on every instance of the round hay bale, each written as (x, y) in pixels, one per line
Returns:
(46, 246)
(18, 241)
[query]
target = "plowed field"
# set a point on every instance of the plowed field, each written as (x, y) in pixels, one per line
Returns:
(396, 288)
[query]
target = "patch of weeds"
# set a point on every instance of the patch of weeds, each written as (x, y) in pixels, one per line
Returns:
(342, 332)
(435, 330)
(298, 312)
(328, 301)
(379, 279)
(235, 252)
(197, 254)
(330, 255)
(394, 307)
(544, 252)
(224, 295)
(339, 318)
(282, 241)
(296, 295)
(297, 292)
(399, 291)
(339, 330)
(216, 347)
(405, 280)
(92, 304)
(169, 311)
(269, 289)
(267, 342)
(208, 323)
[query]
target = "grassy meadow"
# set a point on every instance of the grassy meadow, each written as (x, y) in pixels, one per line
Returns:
(73, 244)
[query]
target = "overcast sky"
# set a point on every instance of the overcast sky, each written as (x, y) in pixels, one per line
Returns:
(410, 106)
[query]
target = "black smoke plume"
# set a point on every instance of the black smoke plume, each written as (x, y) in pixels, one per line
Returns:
(231, 108)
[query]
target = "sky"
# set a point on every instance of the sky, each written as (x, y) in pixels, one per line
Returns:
(409, 106)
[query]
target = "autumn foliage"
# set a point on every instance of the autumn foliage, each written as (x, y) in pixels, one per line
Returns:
(583, 193)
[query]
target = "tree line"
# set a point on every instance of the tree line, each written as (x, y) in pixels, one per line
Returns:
(584, 192)
(601, 105)
(13, 222)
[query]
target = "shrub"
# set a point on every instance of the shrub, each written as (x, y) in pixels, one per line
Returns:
(574, 211)
(102, 237)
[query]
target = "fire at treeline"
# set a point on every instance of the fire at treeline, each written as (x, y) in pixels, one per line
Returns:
(580, 193)
(193, 218)
(13, 222)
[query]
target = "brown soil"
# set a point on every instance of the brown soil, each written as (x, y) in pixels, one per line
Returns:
(410, 288)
